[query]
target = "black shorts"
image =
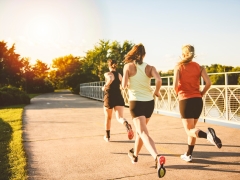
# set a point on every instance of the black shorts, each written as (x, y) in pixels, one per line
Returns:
(112, 101)
(141, 108)
(191, 108)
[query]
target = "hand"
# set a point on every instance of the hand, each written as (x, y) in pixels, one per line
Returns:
(156, 93)
(103, 88)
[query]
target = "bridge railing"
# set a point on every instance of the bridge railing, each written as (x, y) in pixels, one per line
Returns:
(221, 102)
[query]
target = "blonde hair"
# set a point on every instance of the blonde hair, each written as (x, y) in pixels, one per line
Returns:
(188, 52)
(135, 54)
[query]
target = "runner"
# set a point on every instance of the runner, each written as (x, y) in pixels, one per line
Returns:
(186, 83)
(113, 100)
(136, 77)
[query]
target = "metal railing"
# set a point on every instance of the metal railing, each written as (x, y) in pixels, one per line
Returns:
(221, 102)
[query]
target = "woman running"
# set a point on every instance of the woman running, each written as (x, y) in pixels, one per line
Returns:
(113, 100)
(136, 77)
(186, 83)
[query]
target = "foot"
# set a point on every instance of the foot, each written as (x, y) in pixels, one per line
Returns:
(134, 159)
(107, 139)
(186, 158)
(212, 138)
(160, 161)
(129, 131)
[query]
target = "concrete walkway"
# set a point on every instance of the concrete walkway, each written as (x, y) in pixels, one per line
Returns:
(63, 138)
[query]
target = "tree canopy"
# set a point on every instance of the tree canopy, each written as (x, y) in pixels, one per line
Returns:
(69, 71)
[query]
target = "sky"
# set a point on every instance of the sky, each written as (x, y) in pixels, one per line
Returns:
(48, 29)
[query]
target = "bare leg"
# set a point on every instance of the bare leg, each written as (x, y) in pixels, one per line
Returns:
(108, 117)
(119, 114)
(122, 120)
(138, 142)
(192, 132)
(141, 128)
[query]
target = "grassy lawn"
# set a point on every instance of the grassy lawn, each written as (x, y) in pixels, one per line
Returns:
(13, 160)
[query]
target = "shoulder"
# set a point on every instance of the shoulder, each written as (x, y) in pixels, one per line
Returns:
(195, 64)
(128, 65)
(107, 74)
(177, 68)
(149, 66)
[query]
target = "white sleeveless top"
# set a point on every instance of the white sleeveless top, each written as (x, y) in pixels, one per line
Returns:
(139, 85)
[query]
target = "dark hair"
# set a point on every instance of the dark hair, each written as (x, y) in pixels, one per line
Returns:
(112, 63)
(135, 54)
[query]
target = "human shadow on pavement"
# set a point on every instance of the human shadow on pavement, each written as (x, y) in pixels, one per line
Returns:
(224, 145)
(209, 161)
(125, 154)
(202, 154)
(129, 141)
(197, 167)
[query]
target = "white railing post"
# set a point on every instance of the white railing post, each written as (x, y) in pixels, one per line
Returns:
(204, 110)
(226, 97)
(169, 95)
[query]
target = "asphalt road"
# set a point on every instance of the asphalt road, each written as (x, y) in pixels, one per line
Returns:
(63, 139)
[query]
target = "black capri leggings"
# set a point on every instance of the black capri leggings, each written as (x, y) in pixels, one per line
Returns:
(141, 108)
(191, 108)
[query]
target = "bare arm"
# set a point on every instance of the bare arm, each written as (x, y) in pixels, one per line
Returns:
(120, 79)
(108, 79)
(176, 79)
(158, 81)
(206, 80)
(125, 76)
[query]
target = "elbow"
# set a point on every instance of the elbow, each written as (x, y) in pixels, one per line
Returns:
(208, 84)
(176, 90)
(124, 86)
(159, 81)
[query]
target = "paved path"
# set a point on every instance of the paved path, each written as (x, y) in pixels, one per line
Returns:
(63, 138)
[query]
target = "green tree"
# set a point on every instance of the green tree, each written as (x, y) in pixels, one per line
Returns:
(10, 66)
(67, 72)
(118, 52)
(96, 59)
(219, 79)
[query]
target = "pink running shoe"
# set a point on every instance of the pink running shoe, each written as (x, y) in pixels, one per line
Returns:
(160, 161)
(130, 131)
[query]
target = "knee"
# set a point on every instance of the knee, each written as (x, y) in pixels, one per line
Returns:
(142, 133)
(108, 118)
(196, 132)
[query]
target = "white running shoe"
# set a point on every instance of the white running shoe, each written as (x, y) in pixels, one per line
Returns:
(212, 138)
(133, 158)
(186, 158)
(106, 139)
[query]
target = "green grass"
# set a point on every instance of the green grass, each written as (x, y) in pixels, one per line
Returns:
(13, 161)
(32, 95)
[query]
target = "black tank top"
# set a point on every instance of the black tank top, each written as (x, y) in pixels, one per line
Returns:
(114, 86)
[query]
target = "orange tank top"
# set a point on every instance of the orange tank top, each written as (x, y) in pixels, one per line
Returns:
(189, 81)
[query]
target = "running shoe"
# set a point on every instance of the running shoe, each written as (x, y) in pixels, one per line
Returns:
(186, 158)
(212, 138)
(160, 161)
(129, 131)
(133, 158)
(106, 139)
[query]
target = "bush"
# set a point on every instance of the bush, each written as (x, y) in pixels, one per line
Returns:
(13, 96)
(76, 90)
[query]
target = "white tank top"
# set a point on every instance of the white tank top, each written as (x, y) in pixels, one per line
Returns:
(139, 85)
